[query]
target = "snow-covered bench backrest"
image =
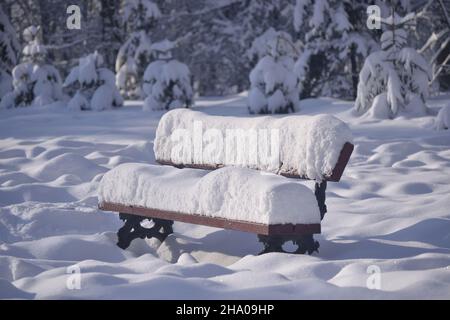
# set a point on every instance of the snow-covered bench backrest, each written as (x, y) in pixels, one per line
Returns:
(308, 147)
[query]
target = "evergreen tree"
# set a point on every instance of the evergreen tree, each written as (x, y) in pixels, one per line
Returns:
(396, 78)
(335, 41)
(35, 82)
(96, 85)
(167, 82)
(256, 19)
(9, 48)
(274, 86)
(435, 16)
(135, 54)
(111, 30)
(259, 46)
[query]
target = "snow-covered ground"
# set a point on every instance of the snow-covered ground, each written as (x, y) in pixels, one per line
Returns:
(390, 212)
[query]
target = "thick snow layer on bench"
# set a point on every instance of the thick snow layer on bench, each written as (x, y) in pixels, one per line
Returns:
(230, 192)
(308, 146)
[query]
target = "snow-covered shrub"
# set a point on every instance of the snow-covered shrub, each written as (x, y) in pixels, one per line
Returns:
(443, 119)
(167, 82)
(274, 85)
(35, 82)
(259, 46)
(135, 54)
(9, 48)
(133, 57)
(96, 85)
(398, 73)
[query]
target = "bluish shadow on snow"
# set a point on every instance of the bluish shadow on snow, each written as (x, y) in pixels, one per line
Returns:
(9, 291)
(434, 233)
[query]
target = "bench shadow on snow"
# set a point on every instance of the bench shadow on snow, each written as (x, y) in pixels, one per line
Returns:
(434, 233)
(226, 243)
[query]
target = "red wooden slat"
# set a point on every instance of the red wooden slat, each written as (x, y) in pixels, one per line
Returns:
(245, 226)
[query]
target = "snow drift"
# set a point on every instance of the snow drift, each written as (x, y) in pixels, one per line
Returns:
(442, 121)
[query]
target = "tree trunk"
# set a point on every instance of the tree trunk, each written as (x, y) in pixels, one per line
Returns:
(354, 70)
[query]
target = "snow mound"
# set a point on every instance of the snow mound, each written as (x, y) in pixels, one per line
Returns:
(9, 291)
(443, 119)
(380, 108)
(37, 220)
(231, 193)
(304, 145)
(68, 163)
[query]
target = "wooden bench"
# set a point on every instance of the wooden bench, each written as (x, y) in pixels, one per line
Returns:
(273, 236)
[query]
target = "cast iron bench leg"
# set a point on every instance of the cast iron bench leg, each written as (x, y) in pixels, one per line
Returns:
(132, 229)
(271, 243)
(319, 192)
(305, 243)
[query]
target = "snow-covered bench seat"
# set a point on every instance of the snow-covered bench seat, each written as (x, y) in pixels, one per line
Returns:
(245, 195)
(232, 197)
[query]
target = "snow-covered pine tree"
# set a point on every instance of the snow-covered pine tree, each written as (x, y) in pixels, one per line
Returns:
(357, 43)
(9, 48)
(35, 82)
(258, 19)
(252, 23)
(167, 82)
(135, 54)
(96, 85)
(335, 42)
(396, 78)
(259, 46)
(111, 32)
(435, 17)
(100, 28)
(273, 84)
